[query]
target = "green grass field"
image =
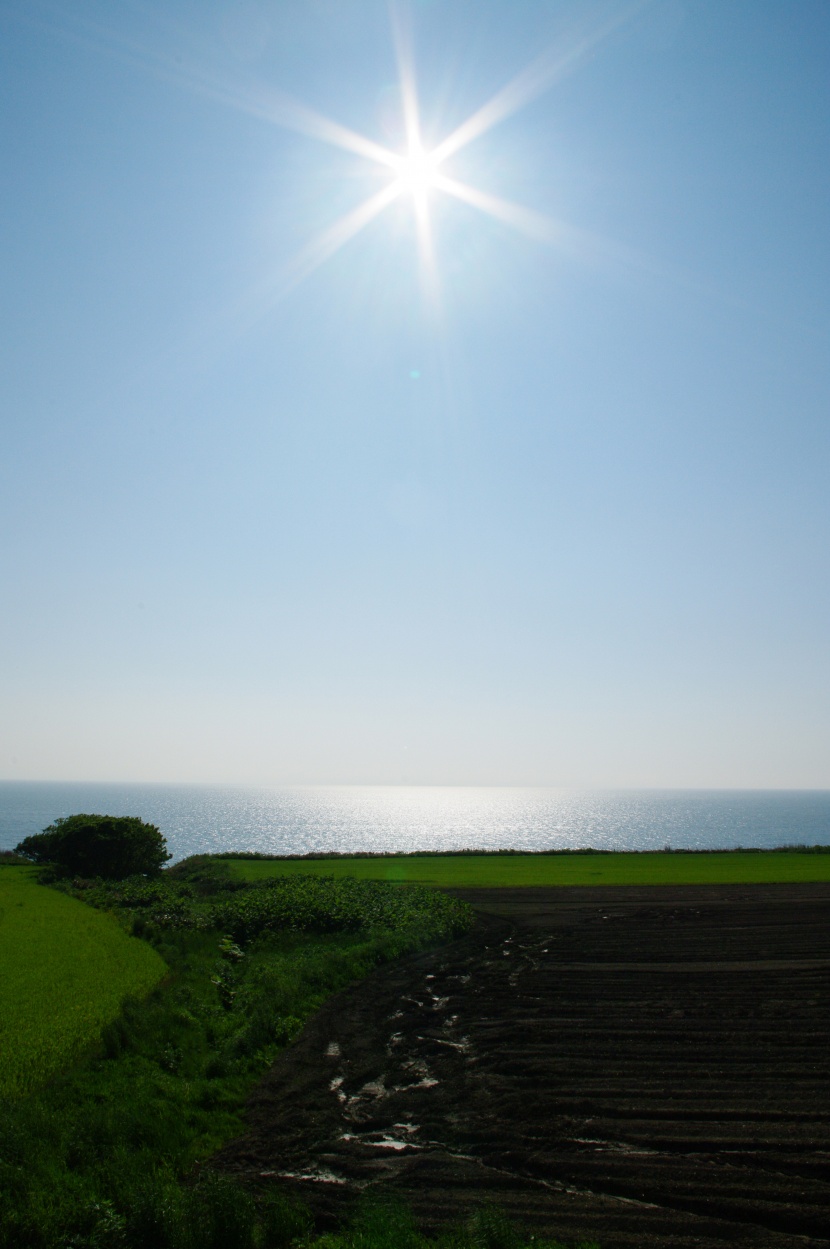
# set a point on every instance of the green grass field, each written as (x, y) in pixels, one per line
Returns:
(64, 971)
(469, 870)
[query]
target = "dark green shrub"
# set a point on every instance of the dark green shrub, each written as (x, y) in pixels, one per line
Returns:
(109, 846)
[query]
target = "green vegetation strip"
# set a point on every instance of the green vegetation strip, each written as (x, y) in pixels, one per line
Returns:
(64, 972)
(730, 867)
(384, 1226)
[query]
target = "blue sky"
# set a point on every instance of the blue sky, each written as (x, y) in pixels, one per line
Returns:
(558, 515)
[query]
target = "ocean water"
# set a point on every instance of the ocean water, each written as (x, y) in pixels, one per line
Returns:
(210, 818)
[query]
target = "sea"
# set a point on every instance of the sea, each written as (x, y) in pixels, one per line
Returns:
(351, 818)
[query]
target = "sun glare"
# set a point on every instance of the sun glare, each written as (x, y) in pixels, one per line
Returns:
(417, 172)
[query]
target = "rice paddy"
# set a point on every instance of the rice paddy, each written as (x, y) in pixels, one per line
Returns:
(65, 970)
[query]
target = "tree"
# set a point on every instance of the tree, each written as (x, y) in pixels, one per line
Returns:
(110, 846)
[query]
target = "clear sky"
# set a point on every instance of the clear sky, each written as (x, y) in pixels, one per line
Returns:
(538, 497)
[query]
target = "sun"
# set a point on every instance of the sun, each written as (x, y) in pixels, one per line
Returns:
(416, 172)
(420, 174)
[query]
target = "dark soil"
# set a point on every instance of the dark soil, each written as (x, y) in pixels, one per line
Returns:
(640, 1066)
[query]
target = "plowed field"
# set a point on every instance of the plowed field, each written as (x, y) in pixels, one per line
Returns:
(640, 1066)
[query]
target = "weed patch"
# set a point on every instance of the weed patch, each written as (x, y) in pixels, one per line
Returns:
(104, 1157)
(380, 1225)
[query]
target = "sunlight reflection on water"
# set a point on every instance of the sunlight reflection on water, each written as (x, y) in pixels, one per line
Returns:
(401, 818)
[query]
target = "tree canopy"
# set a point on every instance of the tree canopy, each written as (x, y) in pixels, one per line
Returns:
(109, 846)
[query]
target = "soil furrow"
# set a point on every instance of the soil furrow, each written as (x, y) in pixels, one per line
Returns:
(638, 1066)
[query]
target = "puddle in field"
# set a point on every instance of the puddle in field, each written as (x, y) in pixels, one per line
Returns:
(393, 1139)
(374, 1089)
(463, 1046)
(314, 1175)
(613, 1147)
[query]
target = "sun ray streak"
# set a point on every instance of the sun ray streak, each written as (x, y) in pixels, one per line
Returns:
(541, 228)
(583, 245)
(402, 38)
(253, 99)
(289, 114)
(331, 240)
(426, 250)
(535, 225)
(282, 111)
(531, 82)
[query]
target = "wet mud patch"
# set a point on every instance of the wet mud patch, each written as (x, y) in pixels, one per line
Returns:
(640, 1066)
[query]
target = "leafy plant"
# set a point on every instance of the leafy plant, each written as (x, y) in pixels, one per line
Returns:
(326, 904)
